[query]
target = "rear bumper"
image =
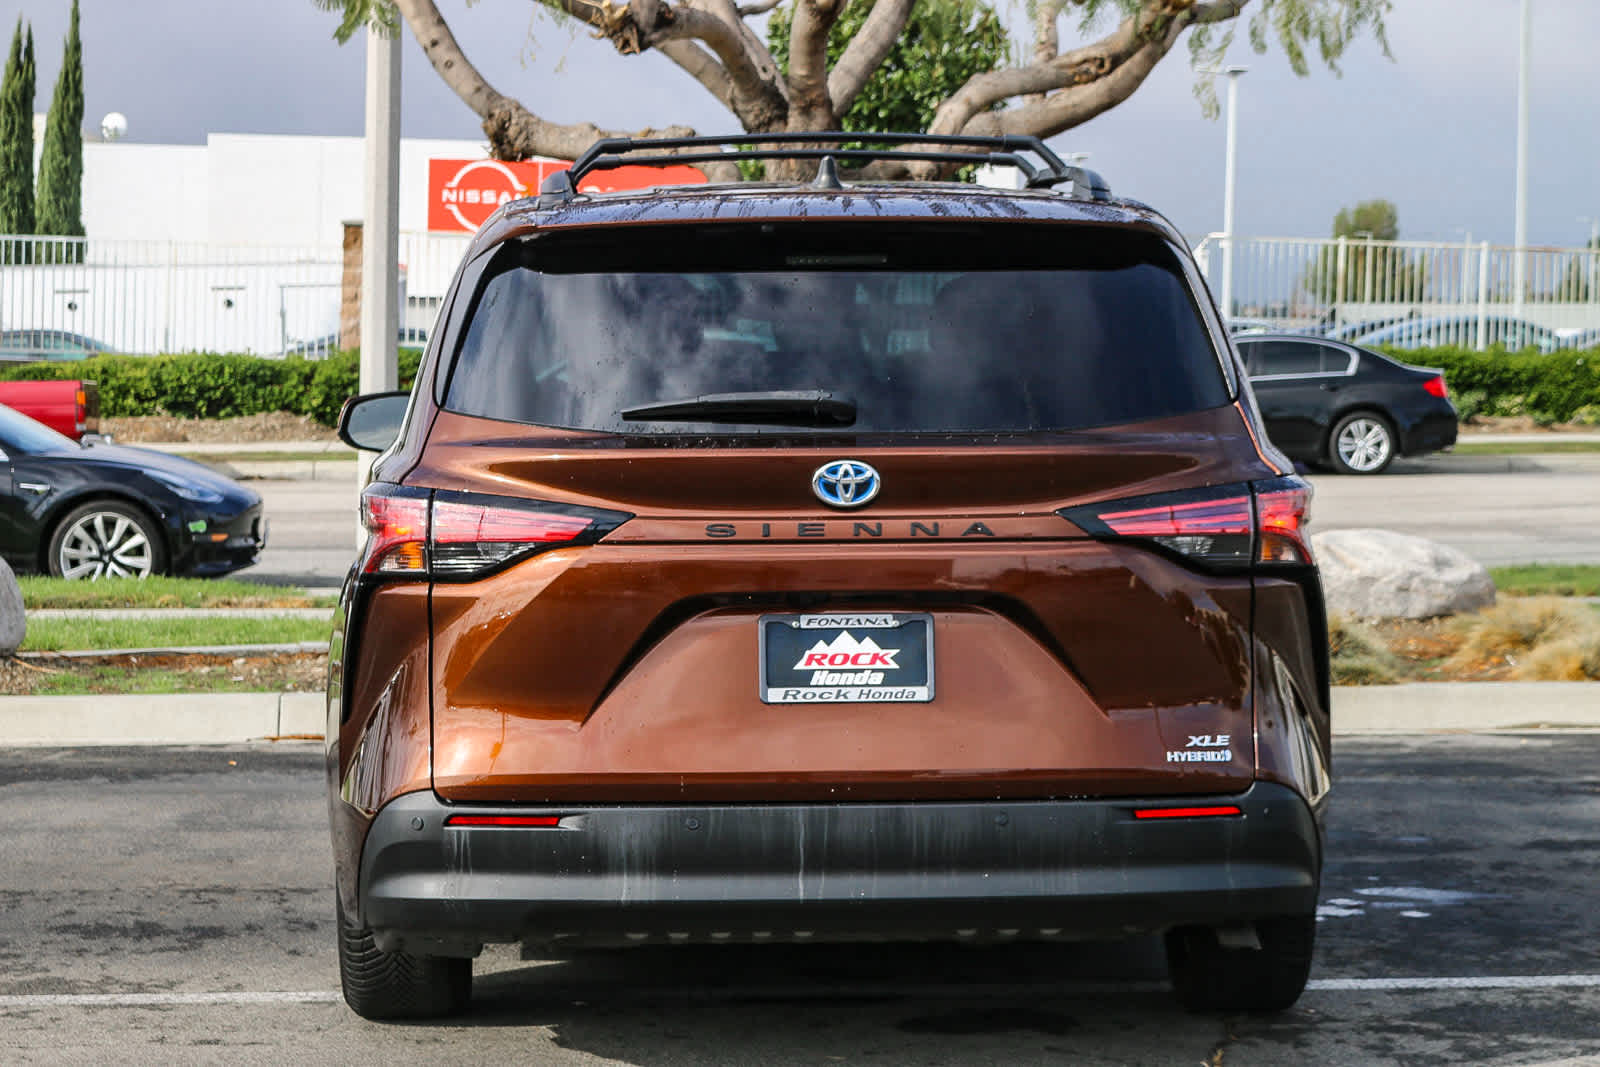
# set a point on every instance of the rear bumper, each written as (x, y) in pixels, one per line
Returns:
(918, 871)
(1431, 432)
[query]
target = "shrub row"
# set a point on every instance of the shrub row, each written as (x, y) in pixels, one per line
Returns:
(1558, 387)
(205, 385)
(1555, 387)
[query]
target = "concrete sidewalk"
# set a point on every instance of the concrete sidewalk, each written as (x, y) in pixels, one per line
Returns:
(230, 718)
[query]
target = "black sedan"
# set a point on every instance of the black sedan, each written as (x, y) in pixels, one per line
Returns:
(101, 510)
(1333, 405)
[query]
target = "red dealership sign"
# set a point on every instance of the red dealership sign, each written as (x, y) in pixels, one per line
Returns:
(462, 193)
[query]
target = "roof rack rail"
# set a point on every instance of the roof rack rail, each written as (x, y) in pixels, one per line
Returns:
(1045, 171)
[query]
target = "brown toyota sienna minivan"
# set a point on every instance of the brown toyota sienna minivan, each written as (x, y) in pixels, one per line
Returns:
(835, 560)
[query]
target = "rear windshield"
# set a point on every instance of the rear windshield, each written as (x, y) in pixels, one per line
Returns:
(946, 329)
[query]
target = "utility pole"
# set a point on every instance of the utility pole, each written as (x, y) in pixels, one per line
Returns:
(1520, 254)
(380, 235)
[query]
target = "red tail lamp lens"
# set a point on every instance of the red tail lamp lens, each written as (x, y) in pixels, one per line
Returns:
(397, 530)
(1282, 511)
(1228, 526)
(1215, 529)
(1435, 387)
(470, 535)
(503, 820)
(1209, 812)
(463, 535)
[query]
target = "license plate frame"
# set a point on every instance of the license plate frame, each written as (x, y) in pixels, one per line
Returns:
(885, 648)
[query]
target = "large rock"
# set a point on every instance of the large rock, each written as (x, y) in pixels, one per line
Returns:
(1380, 574)
(13, 626)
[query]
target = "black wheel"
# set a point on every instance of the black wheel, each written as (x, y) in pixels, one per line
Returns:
(106, 539)
(398, 985)
(1208, 977)
(1363, 442)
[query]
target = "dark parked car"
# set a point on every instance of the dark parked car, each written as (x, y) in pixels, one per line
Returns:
(827, 561)
(99, 510)
(1330, 404)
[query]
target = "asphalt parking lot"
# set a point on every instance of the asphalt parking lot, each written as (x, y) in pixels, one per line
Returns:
(1479, 504)
(174, 905)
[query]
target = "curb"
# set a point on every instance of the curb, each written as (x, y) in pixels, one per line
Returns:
(291, 470)
(162, 719)
(1445, 706)
(235, 718)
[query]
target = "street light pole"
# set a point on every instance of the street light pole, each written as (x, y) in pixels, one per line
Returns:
(1228, 179)
(380, 234)
(1520, 261)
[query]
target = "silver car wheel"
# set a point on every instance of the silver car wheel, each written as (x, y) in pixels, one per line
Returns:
(1364, 444)
(104, 544)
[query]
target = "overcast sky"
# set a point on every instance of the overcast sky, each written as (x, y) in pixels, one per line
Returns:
(1435, 130)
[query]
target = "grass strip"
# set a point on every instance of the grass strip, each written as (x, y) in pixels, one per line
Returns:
(1547, 579)
(122, 681)
(74, 633)
(1523, 448)
(44, 592)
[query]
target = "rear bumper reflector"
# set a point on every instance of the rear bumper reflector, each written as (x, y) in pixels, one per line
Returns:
(1187, 813)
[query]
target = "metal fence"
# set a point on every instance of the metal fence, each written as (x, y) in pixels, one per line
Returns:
(1429, 291)
(60, 297)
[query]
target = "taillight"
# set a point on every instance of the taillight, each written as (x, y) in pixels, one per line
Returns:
(396, 518)
(1435, 387)
(1228, 527)
(451, 535)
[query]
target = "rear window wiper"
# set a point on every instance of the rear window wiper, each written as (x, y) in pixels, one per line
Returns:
(778, 407)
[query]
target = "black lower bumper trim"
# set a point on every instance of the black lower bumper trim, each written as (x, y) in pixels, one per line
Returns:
(1032, 869)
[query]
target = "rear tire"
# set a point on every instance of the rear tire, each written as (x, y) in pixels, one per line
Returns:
(398, 985)
(1207, 977)
(1363, 442)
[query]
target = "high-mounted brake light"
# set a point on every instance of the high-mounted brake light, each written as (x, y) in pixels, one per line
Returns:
(452, 535)
(1228, 527)
(1435, 387)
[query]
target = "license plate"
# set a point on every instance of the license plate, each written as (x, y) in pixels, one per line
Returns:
(847, 658)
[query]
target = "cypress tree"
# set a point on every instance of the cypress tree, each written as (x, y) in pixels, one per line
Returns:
(60, 207)
(16, 137)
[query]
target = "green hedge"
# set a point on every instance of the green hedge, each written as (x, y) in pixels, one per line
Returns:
(1558, 387)
(209, 386)
(1554, 387)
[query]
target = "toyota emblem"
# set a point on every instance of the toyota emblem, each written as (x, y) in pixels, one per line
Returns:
(846, 483)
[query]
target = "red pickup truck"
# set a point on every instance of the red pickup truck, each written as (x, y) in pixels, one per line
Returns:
(69, 407)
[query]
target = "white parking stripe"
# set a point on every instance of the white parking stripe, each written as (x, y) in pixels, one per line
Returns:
(1509, 981)
(1318, 985)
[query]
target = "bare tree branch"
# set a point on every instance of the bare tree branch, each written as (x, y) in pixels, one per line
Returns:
(513, 131)
(809, 105)
(702, 66)
(1081, 102)
(1046, 36)
(867, 50)
(761, 7)
(1081, 66)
